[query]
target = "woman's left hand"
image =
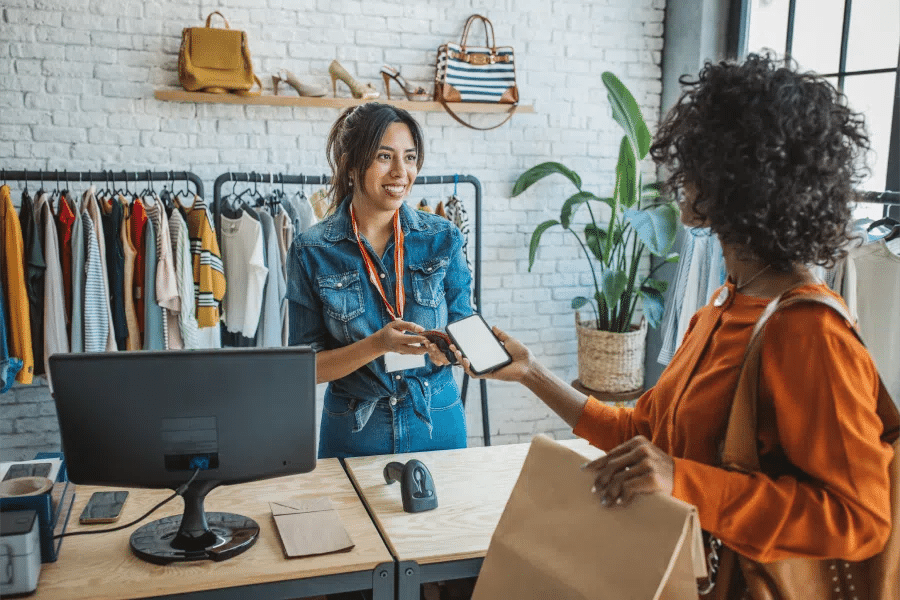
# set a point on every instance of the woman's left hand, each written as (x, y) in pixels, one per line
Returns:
(635, 467)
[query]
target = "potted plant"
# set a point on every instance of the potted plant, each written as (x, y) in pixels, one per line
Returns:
(611, 346)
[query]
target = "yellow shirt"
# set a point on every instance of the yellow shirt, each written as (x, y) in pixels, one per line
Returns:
(14, 279)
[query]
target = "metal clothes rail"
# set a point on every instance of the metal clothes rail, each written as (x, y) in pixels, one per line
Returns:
(279, 179)
(52, 177)
(890, 199)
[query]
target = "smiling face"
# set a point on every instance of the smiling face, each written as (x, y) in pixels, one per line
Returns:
(390, 177)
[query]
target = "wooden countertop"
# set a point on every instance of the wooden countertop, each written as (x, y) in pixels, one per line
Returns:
(472, 485)
(102, 566)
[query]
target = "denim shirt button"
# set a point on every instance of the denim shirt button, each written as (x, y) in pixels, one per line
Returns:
(397, 377)
(393, 401)
(381, 275)
(339, 285)
(425, 383)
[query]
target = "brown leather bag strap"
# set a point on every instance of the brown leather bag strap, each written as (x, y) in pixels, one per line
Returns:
(739, 449)
(509, 115)
(489, 38)
(215, 12)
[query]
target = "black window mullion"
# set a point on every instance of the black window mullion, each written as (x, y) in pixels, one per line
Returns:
(845, 35)
(893, 171)
(789, 38)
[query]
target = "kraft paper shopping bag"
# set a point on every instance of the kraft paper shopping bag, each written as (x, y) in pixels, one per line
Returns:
(555, 540)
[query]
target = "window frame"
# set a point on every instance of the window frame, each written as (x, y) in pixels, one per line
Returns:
(736, 48)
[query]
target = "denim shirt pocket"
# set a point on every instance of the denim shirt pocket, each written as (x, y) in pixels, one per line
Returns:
(428, 281)
(342, 295)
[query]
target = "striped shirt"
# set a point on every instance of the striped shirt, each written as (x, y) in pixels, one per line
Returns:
(209, 273)
(96, 304)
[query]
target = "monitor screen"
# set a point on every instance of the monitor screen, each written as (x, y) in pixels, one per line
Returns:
(162, 418)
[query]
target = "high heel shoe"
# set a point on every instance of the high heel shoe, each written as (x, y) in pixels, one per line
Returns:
(415, 94)
(360, 91)
(304, 89)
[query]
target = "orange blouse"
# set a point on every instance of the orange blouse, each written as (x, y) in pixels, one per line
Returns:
(825, 494)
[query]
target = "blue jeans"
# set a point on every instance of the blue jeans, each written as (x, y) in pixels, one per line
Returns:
(392, 428)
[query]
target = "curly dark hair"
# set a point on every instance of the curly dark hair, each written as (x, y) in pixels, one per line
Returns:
(774, 154)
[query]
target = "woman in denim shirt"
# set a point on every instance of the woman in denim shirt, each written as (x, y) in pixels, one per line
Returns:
(375, 152)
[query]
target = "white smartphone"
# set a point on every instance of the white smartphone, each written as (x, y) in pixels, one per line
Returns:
(478, 343)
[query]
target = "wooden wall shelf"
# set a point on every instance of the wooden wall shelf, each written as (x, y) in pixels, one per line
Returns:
(173, 95)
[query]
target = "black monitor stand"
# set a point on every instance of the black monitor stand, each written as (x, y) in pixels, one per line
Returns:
(196, 534)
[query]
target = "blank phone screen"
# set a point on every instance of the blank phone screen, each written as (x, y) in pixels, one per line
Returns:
(477, 342)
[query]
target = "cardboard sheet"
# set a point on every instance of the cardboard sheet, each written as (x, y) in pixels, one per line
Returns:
(310, 526)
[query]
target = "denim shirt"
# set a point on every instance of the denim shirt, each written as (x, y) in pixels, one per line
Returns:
(332, 303)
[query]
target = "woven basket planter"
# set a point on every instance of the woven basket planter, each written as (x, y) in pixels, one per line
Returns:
(610, 362)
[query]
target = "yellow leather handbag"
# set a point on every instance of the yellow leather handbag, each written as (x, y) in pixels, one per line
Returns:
(216, 60)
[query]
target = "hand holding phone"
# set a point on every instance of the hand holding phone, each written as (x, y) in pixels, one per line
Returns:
(472, 336)
(103, 507)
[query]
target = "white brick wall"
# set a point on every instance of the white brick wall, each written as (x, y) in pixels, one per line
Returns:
(76, 92)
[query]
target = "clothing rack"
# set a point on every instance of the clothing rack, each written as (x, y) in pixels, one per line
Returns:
(55, 177)
(890, 199)
(281, 179)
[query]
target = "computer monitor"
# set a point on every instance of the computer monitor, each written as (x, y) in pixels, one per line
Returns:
(156, 419)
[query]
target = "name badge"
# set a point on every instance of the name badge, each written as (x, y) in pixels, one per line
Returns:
(394, 361)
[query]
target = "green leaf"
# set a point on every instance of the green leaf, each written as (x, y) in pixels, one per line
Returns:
(655, 226)
(570, 206)
(626, 175)
(627, 114)
(672, 257)
(579, 301)
(594, 238)
(536, 239)
(653, 305)
(657, 284)
(613, 284)
(536, 173)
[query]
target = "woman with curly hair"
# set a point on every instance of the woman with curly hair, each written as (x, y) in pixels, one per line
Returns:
(766, 157)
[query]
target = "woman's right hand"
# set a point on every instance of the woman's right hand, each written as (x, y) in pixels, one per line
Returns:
(393, 338)
(522, 359)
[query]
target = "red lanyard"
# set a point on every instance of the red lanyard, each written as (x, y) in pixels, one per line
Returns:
(400, 291)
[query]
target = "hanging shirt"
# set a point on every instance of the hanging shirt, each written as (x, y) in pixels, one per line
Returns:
(17, 300)
(138, 223)
(76, 326)
(209, 273)
(184, 279)
(154, 321)
(65, 219)
(284, 229)
(92, 208)
(245, 273)
(96, 299)
(269, 331)
(133, 342)
(32, 239)
(873, 296)
(56, 337)
(825, 492)
(166, 285)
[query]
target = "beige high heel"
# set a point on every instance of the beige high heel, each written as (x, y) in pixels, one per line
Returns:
(358, 90)
(304, 89)
(417, 94)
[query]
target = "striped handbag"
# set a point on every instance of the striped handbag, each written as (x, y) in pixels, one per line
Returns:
(476, 73)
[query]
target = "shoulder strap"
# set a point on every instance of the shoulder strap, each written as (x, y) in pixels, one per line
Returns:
(739, 449)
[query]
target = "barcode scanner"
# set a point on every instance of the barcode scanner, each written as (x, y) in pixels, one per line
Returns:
(416, 485)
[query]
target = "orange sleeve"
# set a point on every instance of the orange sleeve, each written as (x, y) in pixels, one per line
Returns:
(821, 385)
(608, 426)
